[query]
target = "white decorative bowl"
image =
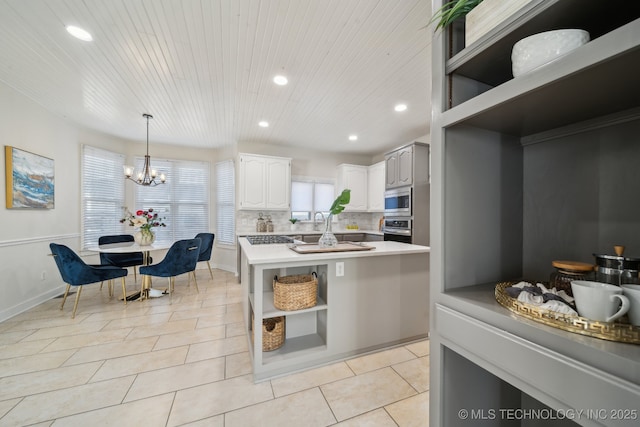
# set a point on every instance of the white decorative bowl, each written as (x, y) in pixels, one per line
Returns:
(539, 49)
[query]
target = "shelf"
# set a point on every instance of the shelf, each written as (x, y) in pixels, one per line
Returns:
(478, 301)
(295, 347)
(268, 310)
(545, 99)
(488, 60)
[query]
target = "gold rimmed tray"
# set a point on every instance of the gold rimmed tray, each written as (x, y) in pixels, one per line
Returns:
(612, 331)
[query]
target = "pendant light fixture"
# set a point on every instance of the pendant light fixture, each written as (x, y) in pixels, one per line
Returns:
(147, 176)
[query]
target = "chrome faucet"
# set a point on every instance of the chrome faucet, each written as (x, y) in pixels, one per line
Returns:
(316, 224)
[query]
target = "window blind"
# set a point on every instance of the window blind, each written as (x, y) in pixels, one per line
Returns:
(182, 202)
(102, 191)
(309, 197)
(226, 203)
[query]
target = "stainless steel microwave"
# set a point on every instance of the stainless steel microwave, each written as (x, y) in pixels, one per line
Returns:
(397, 202)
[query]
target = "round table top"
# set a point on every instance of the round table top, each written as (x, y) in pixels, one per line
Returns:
(128, 247)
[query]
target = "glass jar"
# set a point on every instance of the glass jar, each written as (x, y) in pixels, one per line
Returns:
(269, 224)
(261, 225)
(566, 271)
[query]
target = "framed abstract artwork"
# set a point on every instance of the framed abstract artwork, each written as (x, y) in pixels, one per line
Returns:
(29, 180)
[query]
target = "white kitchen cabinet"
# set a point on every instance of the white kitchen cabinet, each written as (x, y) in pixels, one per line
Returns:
(354, 177)
(264, 182)
(376, 187)
(399, 167)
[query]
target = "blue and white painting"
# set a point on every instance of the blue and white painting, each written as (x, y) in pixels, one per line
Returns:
(30, 180)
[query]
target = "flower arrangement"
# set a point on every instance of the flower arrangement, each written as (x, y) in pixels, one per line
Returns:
(143, 219)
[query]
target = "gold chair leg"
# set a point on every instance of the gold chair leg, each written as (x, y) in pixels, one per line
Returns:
(66, 292)
(124, 292)
(135, 277)
(101, 285)
(110, 283)
(75, 306)
(210, 272)
(195, 280)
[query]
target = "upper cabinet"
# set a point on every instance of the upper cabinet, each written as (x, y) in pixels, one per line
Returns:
(354, 177)
(264, 182)
(376, 186)
(407, 165)
(399, 167)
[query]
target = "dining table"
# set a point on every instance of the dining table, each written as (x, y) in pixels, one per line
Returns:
(132, 247)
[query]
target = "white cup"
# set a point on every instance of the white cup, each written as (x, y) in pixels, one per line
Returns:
(599, 301)
(633, 293)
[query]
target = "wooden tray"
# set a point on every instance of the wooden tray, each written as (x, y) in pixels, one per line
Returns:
(314, 248)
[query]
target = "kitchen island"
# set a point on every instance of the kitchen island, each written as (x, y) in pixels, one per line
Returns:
(367, 300)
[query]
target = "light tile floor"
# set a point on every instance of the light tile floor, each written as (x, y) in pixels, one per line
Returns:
(183, 360)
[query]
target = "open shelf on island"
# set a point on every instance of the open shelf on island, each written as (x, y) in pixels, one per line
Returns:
(268, 309)
(296, 347)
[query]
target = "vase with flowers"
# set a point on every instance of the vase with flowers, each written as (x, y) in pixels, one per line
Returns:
(144, 221)
(328, 239)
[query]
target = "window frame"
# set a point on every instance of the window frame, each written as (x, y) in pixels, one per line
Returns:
(313, 181)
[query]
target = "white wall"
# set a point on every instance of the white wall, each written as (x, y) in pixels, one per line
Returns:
(28, 275)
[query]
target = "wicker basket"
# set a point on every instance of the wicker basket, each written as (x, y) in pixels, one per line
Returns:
(273, 333)
(295, 292)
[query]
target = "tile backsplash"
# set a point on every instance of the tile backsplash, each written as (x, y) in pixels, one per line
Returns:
(246, 221)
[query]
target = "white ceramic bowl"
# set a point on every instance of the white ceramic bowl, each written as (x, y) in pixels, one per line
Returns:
(539, 49)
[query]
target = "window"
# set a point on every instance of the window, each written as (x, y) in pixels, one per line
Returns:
(225, 191)
(183, 201)
(308, 197)
(102, 194)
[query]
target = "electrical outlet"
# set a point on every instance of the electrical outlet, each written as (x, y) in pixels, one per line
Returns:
(339, 269)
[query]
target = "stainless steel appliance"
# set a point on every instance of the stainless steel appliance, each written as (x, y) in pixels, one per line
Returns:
(397, 229)
(397, 202)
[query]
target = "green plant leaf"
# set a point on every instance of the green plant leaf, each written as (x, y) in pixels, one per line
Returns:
(338, 204)
(451, 11)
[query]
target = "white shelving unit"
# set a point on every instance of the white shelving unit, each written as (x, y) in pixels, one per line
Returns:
(521, 173)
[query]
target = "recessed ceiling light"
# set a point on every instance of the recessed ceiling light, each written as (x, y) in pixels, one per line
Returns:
(280, 80)
(263, 124)
(353, 137)
(400, 107)
(79, 33)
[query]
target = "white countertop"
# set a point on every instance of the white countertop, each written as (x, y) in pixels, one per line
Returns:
(268, 254)
(307, 232)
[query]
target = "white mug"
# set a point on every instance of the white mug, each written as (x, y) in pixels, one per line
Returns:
(633, 293)
(599, 301)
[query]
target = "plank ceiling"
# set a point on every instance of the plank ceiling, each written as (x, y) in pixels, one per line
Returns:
(204, 68)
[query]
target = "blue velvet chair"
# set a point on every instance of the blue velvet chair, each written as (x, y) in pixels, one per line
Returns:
(181, 258)
(205, 249)
(76, 272)
(132, 259)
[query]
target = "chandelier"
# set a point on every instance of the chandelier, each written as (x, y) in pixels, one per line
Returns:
(147, 176)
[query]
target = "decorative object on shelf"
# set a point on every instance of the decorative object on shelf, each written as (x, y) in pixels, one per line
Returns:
(451, 11)
(611, 331)
(566, 271)
(273, 332)
(145, 221)
(328, 239)
(29, 180)
(617, 269)
(293, 223)
(147, 176)
(261, 225)
(295, 292)
(269, 224)
(487, 16)
(542, 48)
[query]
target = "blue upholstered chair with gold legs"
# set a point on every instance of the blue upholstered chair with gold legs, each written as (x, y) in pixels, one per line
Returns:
(181, 258)
(132, 259)
(76, 272)
(205, 249)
